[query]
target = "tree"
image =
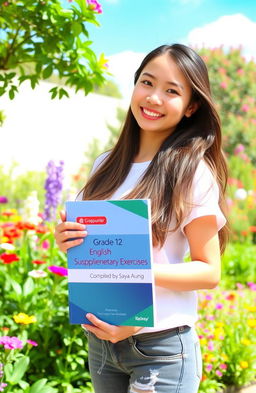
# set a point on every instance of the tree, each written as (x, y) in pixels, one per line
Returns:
(233, 81)
(42, 38)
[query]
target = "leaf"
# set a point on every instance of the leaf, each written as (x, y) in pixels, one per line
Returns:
(47, 72)
(11, 94)
(54, 92)
(8, 371)
(63, 92)
(28, 287)
(38, 385)
(19, 369)
(76, 28)
(16, 286)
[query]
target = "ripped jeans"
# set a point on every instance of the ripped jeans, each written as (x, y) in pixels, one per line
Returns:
(161, 362)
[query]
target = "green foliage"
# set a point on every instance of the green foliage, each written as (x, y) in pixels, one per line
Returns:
(233, 81)
(238, 265)
(2, 118)
(50, 39)
(16, 187)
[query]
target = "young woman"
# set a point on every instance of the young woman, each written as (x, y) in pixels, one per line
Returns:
(169, 151)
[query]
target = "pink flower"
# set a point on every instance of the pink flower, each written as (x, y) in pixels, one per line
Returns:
(245, 108)
(240, 71)
(210, 346)
(223, 85)
(219, 306)
(95, 6)
(239, 285)
(252, 286)
(223, 366)
(208, 367)
(239, 149)
(219, 373)
(2, 384)
(11, 342)
(208, 297)
(59, 270)
(210, 317)
(3, 199)
(33, 343)
(45, 244)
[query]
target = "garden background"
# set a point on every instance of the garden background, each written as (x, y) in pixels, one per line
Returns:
(40, 351)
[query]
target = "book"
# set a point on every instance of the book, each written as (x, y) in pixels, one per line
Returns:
(110, 273)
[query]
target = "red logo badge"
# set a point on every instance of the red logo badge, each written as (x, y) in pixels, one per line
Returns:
(100, 220)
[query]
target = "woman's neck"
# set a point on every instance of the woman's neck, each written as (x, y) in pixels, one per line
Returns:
(150, 143)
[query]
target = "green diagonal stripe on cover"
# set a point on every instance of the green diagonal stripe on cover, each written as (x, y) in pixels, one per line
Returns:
(143, 318)
(137, 207)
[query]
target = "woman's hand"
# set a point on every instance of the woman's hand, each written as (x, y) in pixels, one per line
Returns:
(67, 233)
(105, 331)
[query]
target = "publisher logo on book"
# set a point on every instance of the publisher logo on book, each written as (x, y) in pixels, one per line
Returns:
(100, 220)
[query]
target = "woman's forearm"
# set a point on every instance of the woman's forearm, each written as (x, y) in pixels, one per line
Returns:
(186, 276)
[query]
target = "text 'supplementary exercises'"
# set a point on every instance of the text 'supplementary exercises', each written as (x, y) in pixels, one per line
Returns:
(109, 274)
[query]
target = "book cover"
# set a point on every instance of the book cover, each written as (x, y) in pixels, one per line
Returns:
(109, 274)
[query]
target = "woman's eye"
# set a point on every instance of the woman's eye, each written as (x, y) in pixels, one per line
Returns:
(172, 91)
(146, 82)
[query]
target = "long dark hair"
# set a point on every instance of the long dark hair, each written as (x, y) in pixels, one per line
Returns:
(168, 178)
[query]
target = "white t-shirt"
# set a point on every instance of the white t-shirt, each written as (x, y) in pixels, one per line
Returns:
(176, 308)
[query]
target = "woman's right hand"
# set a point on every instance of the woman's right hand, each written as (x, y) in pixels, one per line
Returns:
(67, 230)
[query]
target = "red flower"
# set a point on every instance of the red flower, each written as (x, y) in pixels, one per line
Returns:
(9, 258)
(25, 226)
(253, 229)
(38, 262)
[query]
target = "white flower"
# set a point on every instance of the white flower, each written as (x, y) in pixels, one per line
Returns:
(37, 273)
(31, 209)
(7, 246)
(241, 194)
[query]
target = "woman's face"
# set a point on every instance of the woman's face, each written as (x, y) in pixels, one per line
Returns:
(161, 96)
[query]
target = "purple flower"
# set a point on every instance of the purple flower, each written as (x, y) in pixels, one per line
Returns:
(11, 342)
(3, 199)
(53, 186)
(59, 270)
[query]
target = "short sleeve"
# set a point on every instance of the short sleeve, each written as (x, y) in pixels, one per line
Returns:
(205, 197)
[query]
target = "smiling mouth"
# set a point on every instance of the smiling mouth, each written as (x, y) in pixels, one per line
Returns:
(150, 114)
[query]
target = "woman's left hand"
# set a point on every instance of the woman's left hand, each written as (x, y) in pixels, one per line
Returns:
(105, 331)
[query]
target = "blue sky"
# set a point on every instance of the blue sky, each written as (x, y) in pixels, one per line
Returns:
(141, 25)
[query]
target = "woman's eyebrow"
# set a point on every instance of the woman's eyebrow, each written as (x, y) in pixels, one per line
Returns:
(176, 84)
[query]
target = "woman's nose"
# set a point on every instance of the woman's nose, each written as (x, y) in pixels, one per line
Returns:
(154, 99)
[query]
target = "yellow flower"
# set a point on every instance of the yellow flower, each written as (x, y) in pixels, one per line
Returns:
(245, 341)
(220, 324)
(24, 318)
(244, 364)
(203, 341)
(250, 308)
(224, 357)
(251, 323)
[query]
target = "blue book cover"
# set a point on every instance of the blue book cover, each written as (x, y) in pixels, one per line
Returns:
(109, 274)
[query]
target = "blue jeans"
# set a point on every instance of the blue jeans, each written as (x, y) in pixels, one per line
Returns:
(160, 362)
